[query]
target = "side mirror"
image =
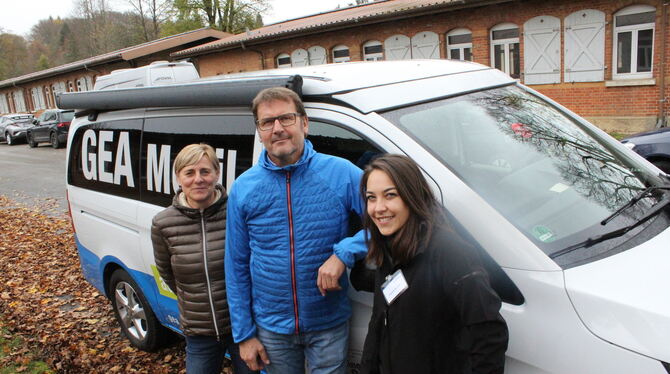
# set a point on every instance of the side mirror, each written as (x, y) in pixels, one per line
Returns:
(35, 121)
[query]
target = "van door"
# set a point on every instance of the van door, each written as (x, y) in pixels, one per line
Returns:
(165, 133)
(103, 188)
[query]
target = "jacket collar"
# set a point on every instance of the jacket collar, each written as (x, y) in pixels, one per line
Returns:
(178, 202)
(307, 153)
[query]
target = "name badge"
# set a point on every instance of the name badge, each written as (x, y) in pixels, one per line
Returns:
(394, 286)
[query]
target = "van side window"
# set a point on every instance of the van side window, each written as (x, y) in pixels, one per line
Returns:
(103, 158)
(231, 136)
(337, 141)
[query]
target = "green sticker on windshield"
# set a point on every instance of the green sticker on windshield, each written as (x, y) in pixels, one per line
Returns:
(543, 233)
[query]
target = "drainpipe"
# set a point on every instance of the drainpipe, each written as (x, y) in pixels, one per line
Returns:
(257, 51)
(662, 99)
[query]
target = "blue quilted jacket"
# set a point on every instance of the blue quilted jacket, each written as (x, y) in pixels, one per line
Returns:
(282, 225)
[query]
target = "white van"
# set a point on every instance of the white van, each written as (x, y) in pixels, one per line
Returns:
(573, 226)
(155, 74)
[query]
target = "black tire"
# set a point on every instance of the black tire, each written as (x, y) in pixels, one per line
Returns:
(133, 313)
(53, 138)
(663, 165)
(31, 141)
(9, 139)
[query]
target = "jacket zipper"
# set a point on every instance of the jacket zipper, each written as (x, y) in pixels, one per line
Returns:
(292, 245)
(209, 286)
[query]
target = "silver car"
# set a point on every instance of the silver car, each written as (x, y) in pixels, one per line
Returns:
(13, 127)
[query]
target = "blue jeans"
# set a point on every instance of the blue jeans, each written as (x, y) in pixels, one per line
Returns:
(325, 351)
(204, 355)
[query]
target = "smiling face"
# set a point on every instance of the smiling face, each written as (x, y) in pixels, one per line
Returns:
(283, 144)
(197, 182)
(384, 205)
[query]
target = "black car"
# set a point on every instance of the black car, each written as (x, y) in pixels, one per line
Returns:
(653, 145)
(51, 126)
(13, 127)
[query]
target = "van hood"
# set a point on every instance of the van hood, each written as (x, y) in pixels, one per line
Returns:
(625, 299)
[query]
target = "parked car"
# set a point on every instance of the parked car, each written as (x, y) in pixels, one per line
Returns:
(653, 145)
(13, 127)
(572, 226)
(51, 126)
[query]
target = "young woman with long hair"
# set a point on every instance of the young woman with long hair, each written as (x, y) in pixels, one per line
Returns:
(434, 310)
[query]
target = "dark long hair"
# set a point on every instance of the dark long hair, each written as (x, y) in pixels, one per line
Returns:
(425, 210)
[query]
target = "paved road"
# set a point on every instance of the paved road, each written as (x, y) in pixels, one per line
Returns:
(34, 176)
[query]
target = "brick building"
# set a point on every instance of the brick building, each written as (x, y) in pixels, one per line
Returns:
(607, 60)
(37, 91)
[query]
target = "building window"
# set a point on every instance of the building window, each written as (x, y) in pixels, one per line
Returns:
(341, 54)
(634, 42)
(398, 47)
(542, 50)
(584, 46)
(505, 54)
(373, 51)
(19, 101)
(284, 61)
(70, 86)
(459, 44)
(299, 57)
(4, 107)
(317, 55)
(426, 44)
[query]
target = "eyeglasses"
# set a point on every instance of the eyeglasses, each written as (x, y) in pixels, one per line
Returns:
(286, 120)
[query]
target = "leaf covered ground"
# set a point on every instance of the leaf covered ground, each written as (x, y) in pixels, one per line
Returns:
(46, 303)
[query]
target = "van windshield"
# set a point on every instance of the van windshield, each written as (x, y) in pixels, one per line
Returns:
(548, 174)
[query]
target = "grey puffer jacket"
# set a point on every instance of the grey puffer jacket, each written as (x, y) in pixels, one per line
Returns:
(189, 251)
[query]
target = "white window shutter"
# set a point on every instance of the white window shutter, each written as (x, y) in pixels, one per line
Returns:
(317, 55)
(542, 50)
(299, 57)
(20, 101)
(397, 47)
(426, 45)
(585, 46)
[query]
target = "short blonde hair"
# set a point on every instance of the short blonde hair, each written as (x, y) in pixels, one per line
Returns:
(192, 153)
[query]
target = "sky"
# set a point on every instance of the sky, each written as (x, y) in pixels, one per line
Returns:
(19, 16)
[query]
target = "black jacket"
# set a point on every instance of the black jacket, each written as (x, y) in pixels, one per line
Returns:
(447, 321)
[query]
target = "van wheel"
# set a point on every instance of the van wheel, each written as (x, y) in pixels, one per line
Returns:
(138, 322)
(9, 139)
(54, 140)
(31, 141)
(663, 165)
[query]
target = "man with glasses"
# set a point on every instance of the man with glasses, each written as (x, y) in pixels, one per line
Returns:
(287, 247)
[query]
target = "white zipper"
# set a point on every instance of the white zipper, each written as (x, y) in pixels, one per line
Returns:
(209, 287)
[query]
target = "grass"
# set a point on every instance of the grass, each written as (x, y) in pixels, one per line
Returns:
(26, 362)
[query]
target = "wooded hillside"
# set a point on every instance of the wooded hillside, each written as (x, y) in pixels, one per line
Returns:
(96, 28)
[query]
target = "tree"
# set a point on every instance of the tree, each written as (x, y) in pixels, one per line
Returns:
(233, 16)
(13, 56)
(150, 15)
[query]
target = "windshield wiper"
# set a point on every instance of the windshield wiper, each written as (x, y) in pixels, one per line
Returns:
(619, 232)
(633, 201)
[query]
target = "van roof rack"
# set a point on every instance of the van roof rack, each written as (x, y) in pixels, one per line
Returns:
(233, 92)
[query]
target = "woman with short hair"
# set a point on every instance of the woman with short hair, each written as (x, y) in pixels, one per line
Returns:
(188, 239)
(434, 310)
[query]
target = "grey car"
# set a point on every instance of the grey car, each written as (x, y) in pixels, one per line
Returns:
(13, 127)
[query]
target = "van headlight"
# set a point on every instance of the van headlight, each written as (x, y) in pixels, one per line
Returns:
(630, 145)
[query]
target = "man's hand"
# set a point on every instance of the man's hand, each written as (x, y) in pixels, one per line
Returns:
(329, 275)
(253, 353)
